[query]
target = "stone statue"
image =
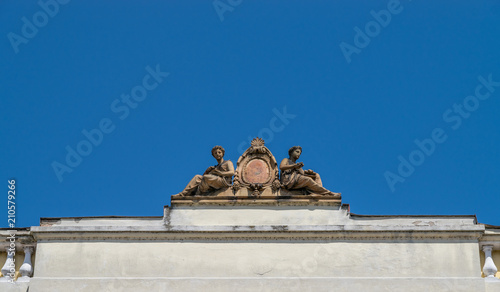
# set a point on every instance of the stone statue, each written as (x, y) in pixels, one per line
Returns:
(293, 177)
(215, 177)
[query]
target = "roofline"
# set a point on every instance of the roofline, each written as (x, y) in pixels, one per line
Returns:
(415, 216)
(445, 216)
(100, 217)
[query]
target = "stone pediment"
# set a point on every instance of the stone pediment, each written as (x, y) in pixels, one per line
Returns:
(257, 182)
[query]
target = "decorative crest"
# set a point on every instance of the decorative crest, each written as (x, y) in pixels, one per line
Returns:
(257, 142)
(257, 170)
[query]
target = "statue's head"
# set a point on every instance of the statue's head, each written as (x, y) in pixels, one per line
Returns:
(293, 149)
(218, 149)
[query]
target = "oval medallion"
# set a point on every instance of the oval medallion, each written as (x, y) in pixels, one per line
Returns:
(256, 172)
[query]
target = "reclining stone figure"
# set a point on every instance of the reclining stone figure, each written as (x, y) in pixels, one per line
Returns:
(293, 177)
(214, 178)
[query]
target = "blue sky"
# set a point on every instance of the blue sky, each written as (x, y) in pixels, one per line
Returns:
(355, 83)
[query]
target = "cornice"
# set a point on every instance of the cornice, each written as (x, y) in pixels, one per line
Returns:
(258, 233)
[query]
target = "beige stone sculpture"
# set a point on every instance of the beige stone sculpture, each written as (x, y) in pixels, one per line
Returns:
(257, 182)
(293, 177)
(257, 170)
(215, 177)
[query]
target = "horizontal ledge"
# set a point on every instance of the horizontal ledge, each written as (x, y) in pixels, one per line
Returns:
(273, 200)
(276, 197)
(260, 236)
(259, 228)
(411, 216)
(257, 278)
(256, 202)
(101, 217)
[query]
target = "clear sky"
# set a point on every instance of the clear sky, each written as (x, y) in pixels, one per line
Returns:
(110, 107)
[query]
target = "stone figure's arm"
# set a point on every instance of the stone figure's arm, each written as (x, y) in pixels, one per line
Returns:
(209, 170)
(229, 172)
(310, 173)
(285, 166)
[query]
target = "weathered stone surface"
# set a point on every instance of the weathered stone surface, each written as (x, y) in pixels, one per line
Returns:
(257, 181)
(16, 287)
(293, 177)
(262, 284)
(256, 172)
(266, 197)
(215, 178)
(260, 248)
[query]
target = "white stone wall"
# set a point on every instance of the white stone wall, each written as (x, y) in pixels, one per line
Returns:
(260, 248)
(256, 259)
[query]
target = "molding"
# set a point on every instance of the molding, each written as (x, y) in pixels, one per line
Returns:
(258, 233)
(263, 200)
(490, 237)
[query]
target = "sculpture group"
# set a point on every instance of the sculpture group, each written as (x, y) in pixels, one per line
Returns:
(257, 170)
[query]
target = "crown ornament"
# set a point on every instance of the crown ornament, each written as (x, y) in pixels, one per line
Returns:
(257, 142)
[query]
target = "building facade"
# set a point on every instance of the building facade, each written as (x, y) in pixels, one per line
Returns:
(258, 232)
(245, 247)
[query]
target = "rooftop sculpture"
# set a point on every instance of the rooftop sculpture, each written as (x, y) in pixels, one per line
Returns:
(293, 177)
(214, 178)
(257, 180)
